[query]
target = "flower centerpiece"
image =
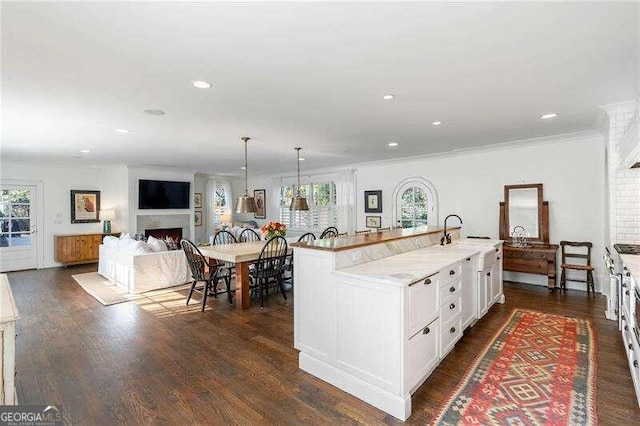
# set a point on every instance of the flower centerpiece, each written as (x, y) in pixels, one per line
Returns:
(274, 229)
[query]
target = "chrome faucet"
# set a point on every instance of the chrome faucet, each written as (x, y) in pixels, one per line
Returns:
(446, 238)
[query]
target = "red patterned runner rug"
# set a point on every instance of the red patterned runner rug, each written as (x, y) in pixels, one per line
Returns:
(540, 369)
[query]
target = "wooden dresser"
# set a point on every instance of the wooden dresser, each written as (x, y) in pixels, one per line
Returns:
(78, 248)
(528, 211)
(8, 317)
(538, 259)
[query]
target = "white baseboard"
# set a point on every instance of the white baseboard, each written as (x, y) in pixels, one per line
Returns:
(396, 405)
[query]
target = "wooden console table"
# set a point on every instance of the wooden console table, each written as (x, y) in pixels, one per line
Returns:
(75, 249)
(540, 259)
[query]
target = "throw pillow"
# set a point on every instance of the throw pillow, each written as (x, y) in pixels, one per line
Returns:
(156, 245)
(125, 236)
(139, 247)
(110, 241)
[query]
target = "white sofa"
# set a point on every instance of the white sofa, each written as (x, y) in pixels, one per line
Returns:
(141, 272)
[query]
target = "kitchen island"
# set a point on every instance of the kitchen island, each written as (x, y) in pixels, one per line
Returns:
(375, 314)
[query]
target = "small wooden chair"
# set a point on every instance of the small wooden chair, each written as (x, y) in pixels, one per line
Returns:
(366, 231)
(584, 257)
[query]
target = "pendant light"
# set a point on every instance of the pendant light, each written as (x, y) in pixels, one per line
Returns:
(299, 202)
(246, 204)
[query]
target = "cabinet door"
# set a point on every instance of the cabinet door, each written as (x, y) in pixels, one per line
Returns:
(468, 292)
(422, 351)
(496, 283)
(484, 290)
(65, 249)
(422, 303)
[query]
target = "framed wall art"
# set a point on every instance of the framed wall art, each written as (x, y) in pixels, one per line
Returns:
(85, 206)
(261, 206)
(198, 218)
(197, 200)
(374, 221)
(373, 201)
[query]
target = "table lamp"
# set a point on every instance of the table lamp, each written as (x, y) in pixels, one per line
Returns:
(107, 216)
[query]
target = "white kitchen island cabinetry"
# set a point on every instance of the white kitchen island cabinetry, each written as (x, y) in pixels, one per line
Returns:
(379, 325)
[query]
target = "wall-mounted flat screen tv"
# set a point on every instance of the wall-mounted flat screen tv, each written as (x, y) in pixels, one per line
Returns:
(163, 194)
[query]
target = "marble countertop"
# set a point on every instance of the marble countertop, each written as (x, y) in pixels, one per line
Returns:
(406, 268)
(632, 262)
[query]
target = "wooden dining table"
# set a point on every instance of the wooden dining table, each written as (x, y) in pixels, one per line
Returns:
(242, 254)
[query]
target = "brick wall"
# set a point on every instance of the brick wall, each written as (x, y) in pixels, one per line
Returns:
(623, 184)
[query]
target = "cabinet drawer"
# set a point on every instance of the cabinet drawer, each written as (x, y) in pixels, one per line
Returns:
(511, 254)
(450, 273)
(531, 266)
(422, 350)
(450, 308)
(450, 289)
(450, 333)
(422, 302)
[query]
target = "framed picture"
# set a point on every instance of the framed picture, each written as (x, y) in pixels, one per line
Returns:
(373, 201)
(197, 200)
(198, 218)
(261, 206)
(374, 221)
(85, 206)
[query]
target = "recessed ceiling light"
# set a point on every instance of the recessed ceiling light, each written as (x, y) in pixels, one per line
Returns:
(393, 144)
(548, 116)
(302, 158)
(202, 84)
(437, 123)
(154, 111)
(122, 131)
(388, 96)
(85, 151)
(242, 168)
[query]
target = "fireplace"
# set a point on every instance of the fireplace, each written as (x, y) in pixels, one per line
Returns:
(162, 233)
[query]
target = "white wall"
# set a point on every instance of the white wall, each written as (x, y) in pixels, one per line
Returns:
(471, 184)
(200, 185)
(57, 182)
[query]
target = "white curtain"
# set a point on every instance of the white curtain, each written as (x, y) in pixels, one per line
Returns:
(346, 200)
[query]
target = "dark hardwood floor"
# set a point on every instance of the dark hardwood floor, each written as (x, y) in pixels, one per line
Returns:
(156, 361)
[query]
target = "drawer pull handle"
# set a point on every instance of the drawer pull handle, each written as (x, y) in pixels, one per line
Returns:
(635, 363)
(624, 285)
(452, 330)
(497, 250)
(623, 318)
(626, 328)
(630, 346)
(628, 274)
(452, 272)
(488, 274)
(452, 289)
(626, 292)
(427, 281)
(452, 306)
(426, 330)
(498, 258)
(468, 259)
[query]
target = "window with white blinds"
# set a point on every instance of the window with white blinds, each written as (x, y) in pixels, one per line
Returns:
(322, 213)
(220, 203)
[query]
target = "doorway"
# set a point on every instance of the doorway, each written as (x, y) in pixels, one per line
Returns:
(18, 242)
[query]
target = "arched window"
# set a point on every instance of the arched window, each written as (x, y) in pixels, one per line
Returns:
(416, 203)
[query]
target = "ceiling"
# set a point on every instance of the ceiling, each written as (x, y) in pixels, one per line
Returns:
(309, 75)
